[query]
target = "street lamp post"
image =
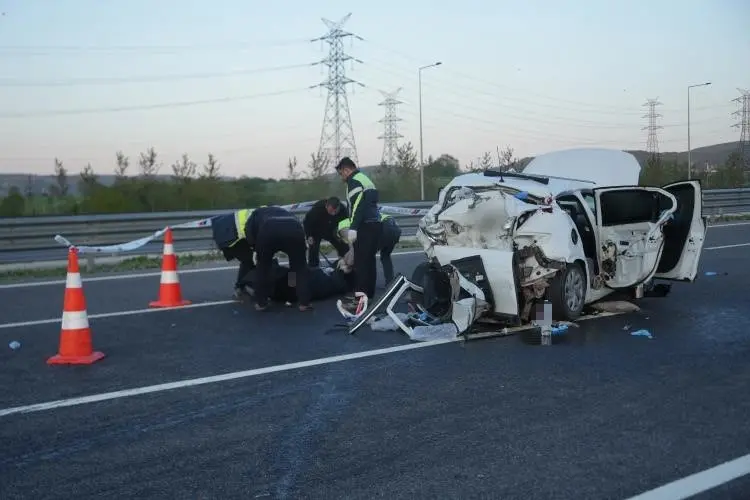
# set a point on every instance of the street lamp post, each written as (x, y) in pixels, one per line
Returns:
(690, 164)
(421, 142)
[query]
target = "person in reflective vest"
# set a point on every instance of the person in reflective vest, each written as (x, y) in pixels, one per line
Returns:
(320, 224)
(276, 229)
(364, 225)
(389, 238)
(228, 231)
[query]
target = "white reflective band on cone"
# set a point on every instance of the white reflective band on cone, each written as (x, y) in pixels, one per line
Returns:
(168, 249)
(74, 320)
(169, 277)
(73, 280)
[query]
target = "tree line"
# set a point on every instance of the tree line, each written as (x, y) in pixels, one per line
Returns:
(194, 186)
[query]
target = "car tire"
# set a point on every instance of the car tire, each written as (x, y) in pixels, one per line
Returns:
(567, 292)
(417, 278)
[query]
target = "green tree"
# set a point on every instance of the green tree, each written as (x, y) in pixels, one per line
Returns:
(121, 167)
(485, 161)
(14, 204)
(61, 179)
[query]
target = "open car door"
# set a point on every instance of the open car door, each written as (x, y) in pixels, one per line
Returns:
(629, 224)
(684, 234)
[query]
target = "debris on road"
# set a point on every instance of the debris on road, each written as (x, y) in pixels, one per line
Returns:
(14, 345)
(642, 333)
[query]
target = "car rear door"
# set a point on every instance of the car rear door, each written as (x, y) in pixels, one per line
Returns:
(629, 222)
(685, 234)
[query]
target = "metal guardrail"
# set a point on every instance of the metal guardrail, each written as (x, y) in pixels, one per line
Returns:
(29, 239)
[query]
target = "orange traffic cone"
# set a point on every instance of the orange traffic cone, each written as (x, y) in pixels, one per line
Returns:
(75, 336)
(170, 294)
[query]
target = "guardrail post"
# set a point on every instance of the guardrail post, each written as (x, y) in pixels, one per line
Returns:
(90, 263)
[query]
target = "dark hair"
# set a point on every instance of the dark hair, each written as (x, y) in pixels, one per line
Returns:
(334, 202)
(345, 162)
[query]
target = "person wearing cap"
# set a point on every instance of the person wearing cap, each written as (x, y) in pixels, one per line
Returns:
(389, 238)
(228, 231)
(276, 229)
(320, 224)
(364, 225)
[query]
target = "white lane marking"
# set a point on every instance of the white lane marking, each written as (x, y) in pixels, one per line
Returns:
(721, 247)
(119, 313)
(148, 274)
(700, 481)
(729, 225)
(62, 403)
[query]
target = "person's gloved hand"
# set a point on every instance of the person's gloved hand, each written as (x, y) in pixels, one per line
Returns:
(351, 236)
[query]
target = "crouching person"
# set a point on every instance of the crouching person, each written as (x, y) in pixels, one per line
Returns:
(275, 229)
(228, 231)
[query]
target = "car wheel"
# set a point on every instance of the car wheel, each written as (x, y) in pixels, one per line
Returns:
(567, 292)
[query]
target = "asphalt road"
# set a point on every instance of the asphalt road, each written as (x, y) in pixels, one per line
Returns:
(607, 415)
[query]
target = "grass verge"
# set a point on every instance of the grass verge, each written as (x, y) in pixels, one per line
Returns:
(144, 263)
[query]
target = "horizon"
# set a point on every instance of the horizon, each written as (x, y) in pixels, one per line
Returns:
(72, 69)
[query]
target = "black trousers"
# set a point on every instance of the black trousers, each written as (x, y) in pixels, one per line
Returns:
(313, 255)
(284, 235)
(388, 240)
(244, 254)
(365, 250)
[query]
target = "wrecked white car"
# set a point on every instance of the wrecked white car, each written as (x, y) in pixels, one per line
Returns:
(571, 238)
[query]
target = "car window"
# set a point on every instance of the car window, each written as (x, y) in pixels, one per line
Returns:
(632, 206)
(590, 201)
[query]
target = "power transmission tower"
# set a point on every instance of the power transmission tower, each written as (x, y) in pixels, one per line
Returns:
(743, 113)
(390, 124)
(652, 143)
(337, 133)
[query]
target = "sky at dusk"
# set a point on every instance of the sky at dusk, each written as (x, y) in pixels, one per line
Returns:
(82, 79)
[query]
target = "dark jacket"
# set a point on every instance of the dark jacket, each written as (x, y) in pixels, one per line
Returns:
(260, 216)
(363, 200)
(319, 224)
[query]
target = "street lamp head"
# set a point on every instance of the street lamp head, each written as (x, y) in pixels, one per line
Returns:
(438, 63)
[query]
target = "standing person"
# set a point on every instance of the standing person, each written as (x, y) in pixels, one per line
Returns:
(228, 231)
(388, 241)
(364, 227)
(275, 229)
(320, 224)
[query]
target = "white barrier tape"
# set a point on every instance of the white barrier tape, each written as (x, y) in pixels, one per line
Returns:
(136, 244)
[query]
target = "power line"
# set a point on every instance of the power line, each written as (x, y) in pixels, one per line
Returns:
(69, 82)
(82, 111)
(390, 123)
(337, 132)
(477, 78)
(56, 49)
(528, 116)
(499, 100)
(743, 113)
(652, 143)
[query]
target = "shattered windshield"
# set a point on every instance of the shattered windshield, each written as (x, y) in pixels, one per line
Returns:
(458, 193)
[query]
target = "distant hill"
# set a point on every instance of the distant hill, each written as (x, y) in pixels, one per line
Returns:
(715, 154)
